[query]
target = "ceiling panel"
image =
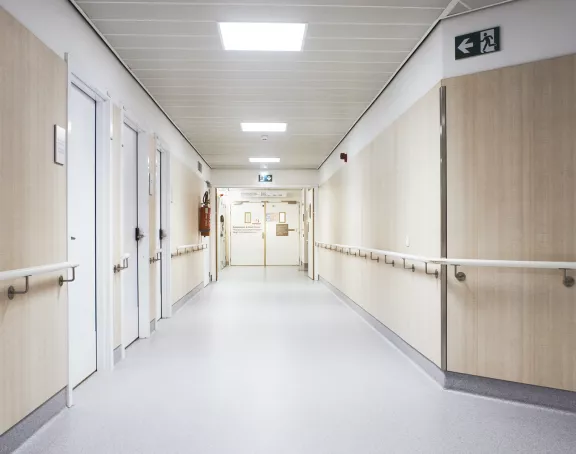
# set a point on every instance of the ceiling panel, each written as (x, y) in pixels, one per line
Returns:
(439, 4)
(266, 111)
(202, 77)
(259, 13)
(271, 57)
(182, 28)
(352, 48)
(214, 43)
(203, 66)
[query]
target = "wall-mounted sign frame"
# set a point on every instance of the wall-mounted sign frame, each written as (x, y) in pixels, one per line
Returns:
(265, 178)
(59, 145)
(281, 229)
(477, 43)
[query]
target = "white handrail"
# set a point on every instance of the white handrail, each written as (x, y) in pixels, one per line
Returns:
(463, 262)
(191, 246)
(509, 264)
(563, 266)
(36, 270)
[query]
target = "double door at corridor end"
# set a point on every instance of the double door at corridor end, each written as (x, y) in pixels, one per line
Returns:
(265, 234)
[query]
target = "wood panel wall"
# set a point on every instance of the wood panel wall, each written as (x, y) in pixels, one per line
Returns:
(386, 193)
(33, 327)
(187, 191)
(512, 195)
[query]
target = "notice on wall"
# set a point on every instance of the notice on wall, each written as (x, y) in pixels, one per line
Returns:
(263, 194)
(271, 217)
(245, 229)
(281, 229)
(59, 145)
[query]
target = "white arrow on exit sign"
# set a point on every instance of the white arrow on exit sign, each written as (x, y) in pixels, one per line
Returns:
(465, 45)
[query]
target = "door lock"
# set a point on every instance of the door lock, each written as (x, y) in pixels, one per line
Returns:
(139, 234)
(162, 234)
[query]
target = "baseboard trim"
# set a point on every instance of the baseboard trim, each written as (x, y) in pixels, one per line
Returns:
(182, 301)
(118, 354)
(414, 355)
(14, 437)
(539, 396)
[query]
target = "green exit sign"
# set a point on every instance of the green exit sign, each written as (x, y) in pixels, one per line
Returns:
(265, 178)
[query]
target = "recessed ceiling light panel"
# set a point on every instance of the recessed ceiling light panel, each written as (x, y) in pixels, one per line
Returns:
(263, 127)
(264, 159)
(278, 37)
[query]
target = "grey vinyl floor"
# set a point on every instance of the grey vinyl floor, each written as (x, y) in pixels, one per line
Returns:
(268, 362)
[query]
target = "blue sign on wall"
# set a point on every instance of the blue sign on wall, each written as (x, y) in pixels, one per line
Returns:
(265, 178)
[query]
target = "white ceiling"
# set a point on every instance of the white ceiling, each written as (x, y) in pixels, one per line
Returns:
(351, 50)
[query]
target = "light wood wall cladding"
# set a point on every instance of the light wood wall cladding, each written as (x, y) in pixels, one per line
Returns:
(117, 219)
(187, 191)
(152, 227)
(33, 327)
(389, 191)
(512, 195)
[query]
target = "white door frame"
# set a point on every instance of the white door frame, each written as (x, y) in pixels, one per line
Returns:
(316, 197)
(166, 263)
(104, 272)
(143, 224)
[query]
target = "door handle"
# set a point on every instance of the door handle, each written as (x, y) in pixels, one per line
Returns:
(139, 234)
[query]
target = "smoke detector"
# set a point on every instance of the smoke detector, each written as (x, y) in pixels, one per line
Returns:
(264, 137)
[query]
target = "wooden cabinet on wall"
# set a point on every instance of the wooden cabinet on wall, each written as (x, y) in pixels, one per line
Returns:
(33, 327)
(512, 196)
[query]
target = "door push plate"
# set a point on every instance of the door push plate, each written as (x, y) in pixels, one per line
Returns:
(139, 234)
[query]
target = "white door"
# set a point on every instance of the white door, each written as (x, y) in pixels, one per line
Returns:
(311, 240)
(129, 244)
(247, 234)
(282, 233)
(82, 234)
(157, 265)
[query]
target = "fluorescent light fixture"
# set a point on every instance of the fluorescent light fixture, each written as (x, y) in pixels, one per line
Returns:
(264, 159)
(263, 127)
(278, 37)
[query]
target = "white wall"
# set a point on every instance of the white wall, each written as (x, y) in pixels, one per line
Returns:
(531, 30)
(228, 178)
(418, 76)
(58, 24)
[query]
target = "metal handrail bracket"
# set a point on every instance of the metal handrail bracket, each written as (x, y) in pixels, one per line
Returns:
(13, 292)
(27, 273)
